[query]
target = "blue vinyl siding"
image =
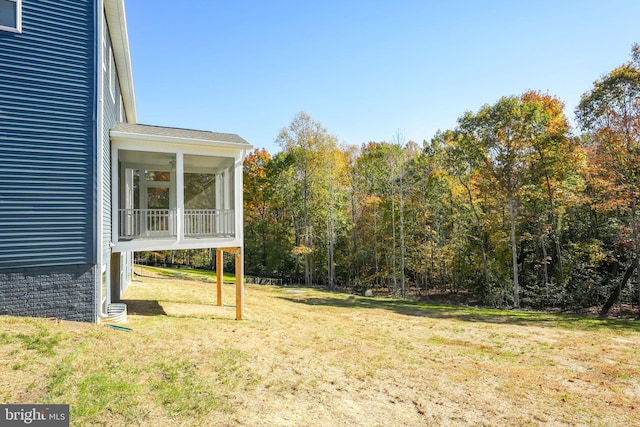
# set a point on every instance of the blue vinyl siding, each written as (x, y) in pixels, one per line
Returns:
(110, 117)
(47, 149)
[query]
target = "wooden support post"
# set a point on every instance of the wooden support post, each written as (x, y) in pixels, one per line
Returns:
(219, 275)
(239, 284)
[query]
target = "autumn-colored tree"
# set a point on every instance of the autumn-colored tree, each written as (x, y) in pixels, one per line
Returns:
(553, 160)
(462, 162)
(507, 206)
(425, 214)
(369, 178)
(256, 204)
(610, 113)
(505, 135)
(315, 166)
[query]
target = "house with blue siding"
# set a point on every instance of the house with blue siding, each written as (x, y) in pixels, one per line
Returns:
(82, 184)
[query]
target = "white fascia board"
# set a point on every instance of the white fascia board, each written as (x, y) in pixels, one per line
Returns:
(117, 23)
(171, 140)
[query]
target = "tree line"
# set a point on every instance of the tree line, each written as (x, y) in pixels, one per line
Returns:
(513, 206)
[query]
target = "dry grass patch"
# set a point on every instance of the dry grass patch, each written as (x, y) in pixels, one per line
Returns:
(313, 358)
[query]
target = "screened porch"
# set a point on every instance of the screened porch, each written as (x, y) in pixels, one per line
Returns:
(148, 205)
(175, 188)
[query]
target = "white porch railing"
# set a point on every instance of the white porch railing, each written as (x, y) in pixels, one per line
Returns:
(161, 223)
(147, 223)
(209, 222)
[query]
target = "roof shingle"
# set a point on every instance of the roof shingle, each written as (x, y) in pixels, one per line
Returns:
(160, 131)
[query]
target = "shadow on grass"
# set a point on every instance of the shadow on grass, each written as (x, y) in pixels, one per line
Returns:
(182, 310)
(471, 314)
(143, 307)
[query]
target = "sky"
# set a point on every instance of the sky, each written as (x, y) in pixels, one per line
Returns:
(364, 69)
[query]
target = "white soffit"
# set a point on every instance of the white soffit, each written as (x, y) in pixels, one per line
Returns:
(117, 23)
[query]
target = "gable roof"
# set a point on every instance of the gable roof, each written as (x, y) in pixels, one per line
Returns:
(177, 135)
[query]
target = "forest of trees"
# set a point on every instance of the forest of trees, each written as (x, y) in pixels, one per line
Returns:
(512, 207)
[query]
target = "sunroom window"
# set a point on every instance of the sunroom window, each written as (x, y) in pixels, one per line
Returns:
(11, 15)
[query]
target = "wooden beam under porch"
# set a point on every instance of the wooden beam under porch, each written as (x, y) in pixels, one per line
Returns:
(239, 275)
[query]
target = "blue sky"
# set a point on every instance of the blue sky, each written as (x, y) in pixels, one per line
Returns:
(364, 69)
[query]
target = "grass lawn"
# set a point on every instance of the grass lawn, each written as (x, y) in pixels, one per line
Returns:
(311, 358)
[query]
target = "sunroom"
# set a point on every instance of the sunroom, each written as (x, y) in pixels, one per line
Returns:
(175, 188)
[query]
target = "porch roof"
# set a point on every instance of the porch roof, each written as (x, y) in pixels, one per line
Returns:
(177, 135)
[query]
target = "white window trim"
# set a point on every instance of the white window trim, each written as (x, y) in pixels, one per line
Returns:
(18, 27)
(112, 75)
(121, 114)
(104, 55)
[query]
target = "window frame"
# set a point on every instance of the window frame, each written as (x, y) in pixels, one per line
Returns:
(18, 27)
(121, 108)
(113, 76)
(105, 55)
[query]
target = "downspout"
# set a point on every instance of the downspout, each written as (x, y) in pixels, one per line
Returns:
(99, 120)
